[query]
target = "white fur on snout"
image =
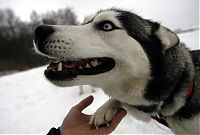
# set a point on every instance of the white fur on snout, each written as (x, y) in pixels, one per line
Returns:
(84, 43)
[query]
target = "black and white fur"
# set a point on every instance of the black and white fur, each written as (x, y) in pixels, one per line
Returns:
(150, 65)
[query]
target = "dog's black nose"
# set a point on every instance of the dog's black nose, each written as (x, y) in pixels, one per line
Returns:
(42, 32)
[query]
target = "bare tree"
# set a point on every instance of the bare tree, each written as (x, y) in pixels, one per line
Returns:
(9, 23)
(35, 17)
(180, 31)
(16, 48)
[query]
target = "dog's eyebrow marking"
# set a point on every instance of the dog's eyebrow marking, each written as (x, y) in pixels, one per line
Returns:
(89, 21)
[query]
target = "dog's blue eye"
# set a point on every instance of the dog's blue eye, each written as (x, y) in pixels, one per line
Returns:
(107, 26)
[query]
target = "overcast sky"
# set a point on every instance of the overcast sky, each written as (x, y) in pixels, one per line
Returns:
(171, 13)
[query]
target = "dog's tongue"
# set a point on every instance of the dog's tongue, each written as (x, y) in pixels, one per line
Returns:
(53, 64)
(71, 64)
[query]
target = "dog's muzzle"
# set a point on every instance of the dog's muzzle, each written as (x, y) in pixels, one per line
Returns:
(63, 68)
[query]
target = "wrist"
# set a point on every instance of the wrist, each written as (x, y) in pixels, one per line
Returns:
(54, 131)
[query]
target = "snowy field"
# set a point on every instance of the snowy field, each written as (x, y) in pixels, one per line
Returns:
(29, 104)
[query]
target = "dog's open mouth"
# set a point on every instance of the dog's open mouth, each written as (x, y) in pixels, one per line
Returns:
(60, 70)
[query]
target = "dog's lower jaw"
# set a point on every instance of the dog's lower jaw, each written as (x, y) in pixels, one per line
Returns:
(64, 83)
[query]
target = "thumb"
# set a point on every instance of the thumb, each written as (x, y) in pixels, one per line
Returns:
(84, 103)
(116, 120)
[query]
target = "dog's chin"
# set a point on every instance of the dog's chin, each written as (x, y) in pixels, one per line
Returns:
(62, 73)
(63, 83)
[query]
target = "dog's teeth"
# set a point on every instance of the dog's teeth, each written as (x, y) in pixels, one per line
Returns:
(59, 68)
(97, 128)
(80, 67)
(87, 66)
(107, 124)
(55, 61)
(94, 63)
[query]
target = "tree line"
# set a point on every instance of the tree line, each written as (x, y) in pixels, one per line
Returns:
(16, 37)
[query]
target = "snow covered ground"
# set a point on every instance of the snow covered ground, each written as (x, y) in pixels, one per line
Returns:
(29, 104)
(191, 39)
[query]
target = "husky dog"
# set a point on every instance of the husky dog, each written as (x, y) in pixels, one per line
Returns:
(140, 64)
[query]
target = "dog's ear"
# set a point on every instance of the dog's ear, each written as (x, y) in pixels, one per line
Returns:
(167, 37)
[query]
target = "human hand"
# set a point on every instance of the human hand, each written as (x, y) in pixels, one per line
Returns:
(77, 123)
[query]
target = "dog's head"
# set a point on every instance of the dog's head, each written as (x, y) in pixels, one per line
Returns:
(111, 48)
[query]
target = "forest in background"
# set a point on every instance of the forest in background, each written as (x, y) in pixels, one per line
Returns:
(16, 37)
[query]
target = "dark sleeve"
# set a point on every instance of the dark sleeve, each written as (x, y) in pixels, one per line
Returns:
(54, 131)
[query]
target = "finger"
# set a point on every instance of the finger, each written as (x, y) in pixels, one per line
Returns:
(86, 117)
(84, 103)
(116, 120)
